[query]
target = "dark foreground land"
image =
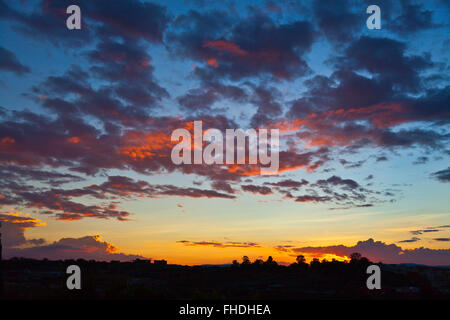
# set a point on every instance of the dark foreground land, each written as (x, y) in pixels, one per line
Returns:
(142, 279)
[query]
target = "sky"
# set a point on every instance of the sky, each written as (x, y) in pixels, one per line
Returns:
(86, 118)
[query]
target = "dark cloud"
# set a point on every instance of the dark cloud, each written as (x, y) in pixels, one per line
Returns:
(346, 193)
(216, 244)
(222, 186)
(413, 239)
(46, 21)
(421, 160)
(412, 18)
(61, 203)
(312, 198)
(427, 230)
(387, 59)
(23, 174)
(266, 100)
(238, 49)
(256, 189)
(366, 96)
(170, 190)
(350, 165)
(87, 247)
(442, 175)
(132, 91)
(387, 253)
(13, 227)
(348, 184)
(143, 20)
(441, 239)
(16, 244)
(9, 62)
(129, 67)
(336, 20)
(202, 99)
(283, 248)
(289, 183)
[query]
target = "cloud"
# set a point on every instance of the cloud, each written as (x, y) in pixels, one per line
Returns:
(87, 247)
(421, 160)
(13, 227)
(411, 18)
(345, 192)
(183, 210)
(257, 189)
(16, 244)
(368, 54)
(283, 248)
(241, 48)
(417, 232)
(9, 62)
(312, 198)
(23, 173)
(413, 239)
(336, 20)
(203, 98)
(143, 20)
(223, 186)
(170, 190)
(442, 175)
(289, 183)
(101, 18)
(216, 244)
(387, 253)
(60, 202)
(348, 184)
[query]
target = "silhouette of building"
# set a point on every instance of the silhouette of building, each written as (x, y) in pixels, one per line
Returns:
(160, 262)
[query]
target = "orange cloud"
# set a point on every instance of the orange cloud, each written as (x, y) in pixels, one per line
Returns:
(138, 145)
(21, 218)
(213, 63)
(74, 140)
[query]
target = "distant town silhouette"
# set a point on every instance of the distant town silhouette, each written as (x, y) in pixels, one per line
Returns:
(146, 279)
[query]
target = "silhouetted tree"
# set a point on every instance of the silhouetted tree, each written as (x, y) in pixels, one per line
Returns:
(301, 259)
(258, 263)
(245, 260)
(315, 263)
(355, 256)
(270, 262)
(301, 262)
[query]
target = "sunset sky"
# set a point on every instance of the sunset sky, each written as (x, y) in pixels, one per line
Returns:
(86, 118)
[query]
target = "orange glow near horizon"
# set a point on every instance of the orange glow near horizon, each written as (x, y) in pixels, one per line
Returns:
(203, 254)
